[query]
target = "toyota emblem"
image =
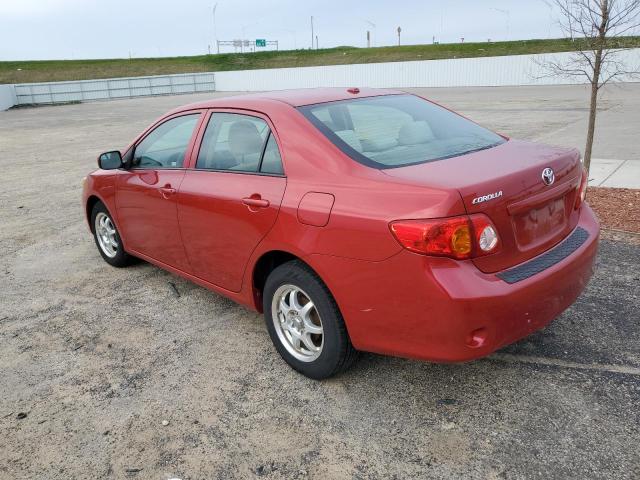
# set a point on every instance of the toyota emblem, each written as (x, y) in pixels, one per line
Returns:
(548, 177)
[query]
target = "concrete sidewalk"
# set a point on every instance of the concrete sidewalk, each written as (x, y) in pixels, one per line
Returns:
(614, 173)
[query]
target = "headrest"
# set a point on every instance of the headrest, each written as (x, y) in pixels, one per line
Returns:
(350, 138)
(244, 138)
(414, 133)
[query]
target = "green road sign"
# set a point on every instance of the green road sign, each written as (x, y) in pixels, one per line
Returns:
(261, 42)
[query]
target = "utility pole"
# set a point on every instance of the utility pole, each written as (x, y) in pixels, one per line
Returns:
(312, 35)
(399, 30)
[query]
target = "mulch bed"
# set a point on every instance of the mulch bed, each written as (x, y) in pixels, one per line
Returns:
(616, 208)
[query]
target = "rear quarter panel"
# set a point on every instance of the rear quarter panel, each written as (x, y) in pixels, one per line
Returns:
(366, 201)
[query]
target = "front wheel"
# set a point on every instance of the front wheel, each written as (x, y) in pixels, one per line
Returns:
(107, 237)
(304, 322)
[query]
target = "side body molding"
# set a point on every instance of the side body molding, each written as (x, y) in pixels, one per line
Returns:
(315, 208)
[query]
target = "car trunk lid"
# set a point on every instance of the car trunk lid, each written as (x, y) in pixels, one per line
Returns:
(505, 183)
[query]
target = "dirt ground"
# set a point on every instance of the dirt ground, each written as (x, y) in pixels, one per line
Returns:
(113, 373)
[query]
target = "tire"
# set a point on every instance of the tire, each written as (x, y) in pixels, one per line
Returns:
(288, 289)
(112, 252)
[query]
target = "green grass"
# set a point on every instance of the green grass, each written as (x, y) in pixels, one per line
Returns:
(58, 70)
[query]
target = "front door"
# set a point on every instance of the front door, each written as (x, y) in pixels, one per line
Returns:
(229, 202)
(146, 195)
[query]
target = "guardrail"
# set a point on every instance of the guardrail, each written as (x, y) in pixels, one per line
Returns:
(112, 88)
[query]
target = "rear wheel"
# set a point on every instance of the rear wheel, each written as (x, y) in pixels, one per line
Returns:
(305, 323)
(107, 237)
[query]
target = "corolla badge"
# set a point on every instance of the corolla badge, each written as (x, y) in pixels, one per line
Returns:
(548, 177)
(485, 198)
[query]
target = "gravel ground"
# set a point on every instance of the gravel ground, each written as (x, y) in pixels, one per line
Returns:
(108, 373)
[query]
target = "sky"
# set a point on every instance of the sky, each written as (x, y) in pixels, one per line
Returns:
(76, 29)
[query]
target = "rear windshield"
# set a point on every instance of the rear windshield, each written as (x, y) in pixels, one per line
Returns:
(397, 130)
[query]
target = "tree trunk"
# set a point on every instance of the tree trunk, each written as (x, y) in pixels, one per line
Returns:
(592, 127)
(601, 42)
(593, 109)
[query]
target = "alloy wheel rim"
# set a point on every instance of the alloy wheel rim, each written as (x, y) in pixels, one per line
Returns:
(106, 235)
(297, 323)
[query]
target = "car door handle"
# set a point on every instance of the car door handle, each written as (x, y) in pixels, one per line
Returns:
(255, 202)
(167, 191)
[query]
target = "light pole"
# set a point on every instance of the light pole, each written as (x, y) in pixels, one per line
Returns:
(507, 14)
(375, 34)
(215, 30)
(312, 35)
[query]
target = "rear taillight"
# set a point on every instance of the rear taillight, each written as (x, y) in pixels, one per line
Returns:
(457, 237)
(582, 189)
(485, 234)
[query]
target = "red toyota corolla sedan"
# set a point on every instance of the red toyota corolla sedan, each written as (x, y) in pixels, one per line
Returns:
(369, 220)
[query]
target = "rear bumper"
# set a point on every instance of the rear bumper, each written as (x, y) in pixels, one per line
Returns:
(443, 310)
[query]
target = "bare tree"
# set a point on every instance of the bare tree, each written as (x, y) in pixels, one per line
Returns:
(597, 28)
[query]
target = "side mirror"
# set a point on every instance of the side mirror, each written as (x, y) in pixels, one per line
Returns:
(110, 160)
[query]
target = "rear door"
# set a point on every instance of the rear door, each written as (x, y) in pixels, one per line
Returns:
(230, 199)
(147, 191)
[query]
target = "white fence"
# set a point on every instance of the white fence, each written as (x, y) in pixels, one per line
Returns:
(87, 90)
(463, 72)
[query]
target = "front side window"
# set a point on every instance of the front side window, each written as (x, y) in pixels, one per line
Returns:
(397, 130)
(165, 147)
(233, 142)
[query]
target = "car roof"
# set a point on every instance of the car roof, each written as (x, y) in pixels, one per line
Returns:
(295, 98)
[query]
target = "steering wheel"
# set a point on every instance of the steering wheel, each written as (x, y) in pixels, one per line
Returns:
(174, 159)
(144, 160)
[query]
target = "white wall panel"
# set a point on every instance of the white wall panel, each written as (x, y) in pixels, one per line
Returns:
(7, 97)
(462, 72)
(87, 90)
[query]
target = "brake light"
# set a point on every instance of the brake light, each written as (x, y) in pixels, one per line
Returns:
(582, 189)
(457, 237)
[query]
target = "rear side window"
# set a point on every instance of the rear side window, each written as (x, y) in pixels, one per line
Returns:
(233, 142)
(271, 161)
(397, 130)
(239, 143)
(166, 145)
